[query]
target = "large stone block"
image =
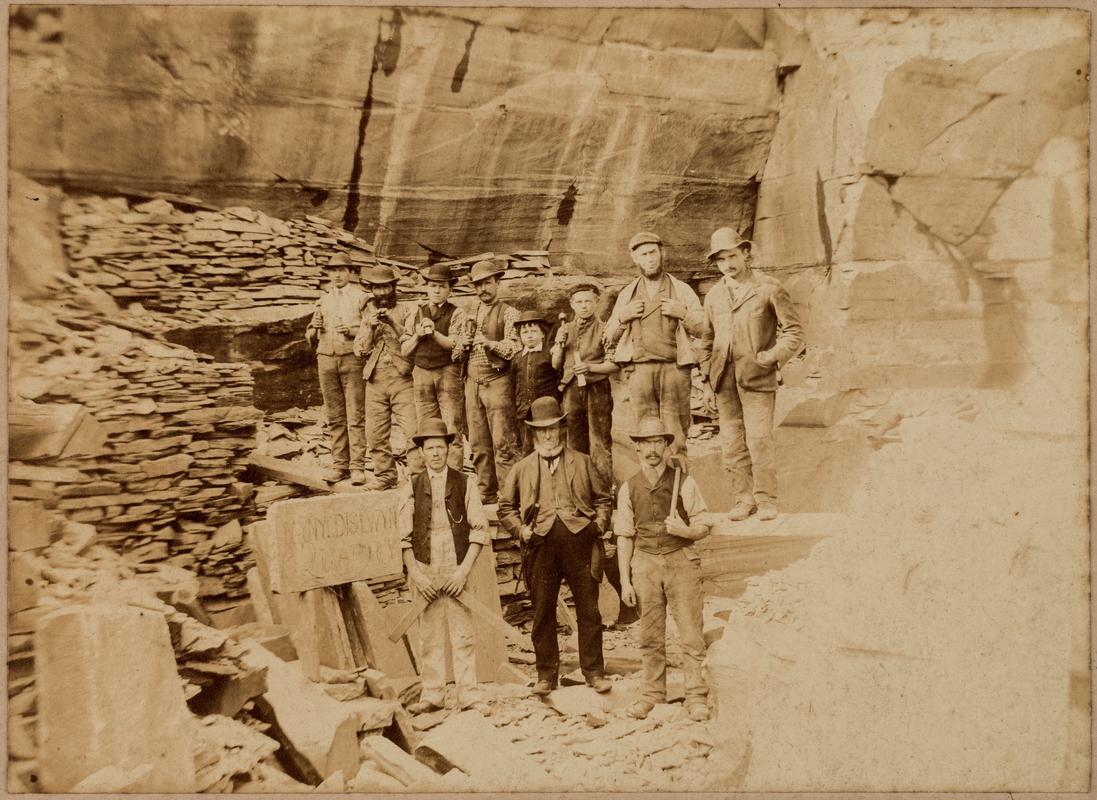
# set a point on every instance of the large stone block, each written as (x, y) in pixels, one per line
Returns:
(109, 695)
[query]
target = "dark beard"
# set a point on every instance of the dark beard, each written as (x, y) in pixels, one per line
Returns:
(386, 300)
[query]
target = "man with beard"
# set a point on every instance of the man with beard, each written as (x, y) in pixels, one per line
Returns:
(559, 506)
(752, 328)
(428, 341)
(659, 517)
(389, 391)
(649, 328)
(332, 329)
(486, 339)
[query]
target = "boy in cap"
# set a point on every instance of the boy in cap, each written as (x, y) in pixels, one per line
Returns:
(428, 341)
(331, 330)
(444, 530)
(389, 392)
(650, 328)
(751, 329)
(487, 340)
(534, 373)
(658, 519)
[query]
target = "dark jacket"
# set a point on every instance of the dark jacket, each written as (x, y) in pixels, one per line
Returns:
(534, 376)
(589, 490)
(455, 509)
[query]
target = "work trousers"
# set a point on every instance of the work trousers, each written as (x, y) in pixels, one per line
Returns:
(670, 580)
(662, 389)
(341, 387)
(438, 394)
(490, 410)
(558, 556)
(389, 396)
(746, 424)
(589, 421)
(445, 626)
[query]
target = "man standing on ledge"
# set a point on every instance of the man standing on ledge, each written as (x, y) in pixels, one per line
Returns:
(332, 329)
(487, 338)
(751, 328)
(651, 323)
(559, 506)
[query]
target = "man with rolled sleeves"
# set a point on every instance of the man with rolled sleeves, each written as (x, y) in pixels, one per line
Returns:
(650, 328)
(486, 340)
(559, 506)
(390, 395)
(428, 341)
(332, 329)
(752, 328)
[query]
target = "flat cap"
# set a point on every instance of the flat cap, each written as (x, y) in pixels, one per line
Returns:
(644, 237)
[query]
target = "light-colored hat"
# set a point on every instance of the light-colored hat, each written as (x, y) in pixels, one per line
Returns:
(644, 237)
(726, 239)
(482, 270)
(432, 428)
(651, 428)
(339, 261)
(545, 412)
(379, 274)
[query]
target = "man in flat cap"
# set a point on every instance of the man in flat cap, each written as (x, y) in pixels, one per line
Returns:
(331, 330)
(751, 329)
(559, 506)
(428, 341)
(390, 396)
(650, 328)
(487, 340)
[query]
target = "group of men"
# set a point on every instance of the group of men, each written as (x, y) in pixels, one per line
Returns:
(538, 418)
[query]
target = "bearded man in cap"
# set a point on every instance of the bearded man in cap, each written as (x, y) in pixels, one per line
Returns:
(559, 506)
(659, 517)
(331, 330)
(390, 394)
(751, 329)
(650, 328)
(428, 341)
(486, 340)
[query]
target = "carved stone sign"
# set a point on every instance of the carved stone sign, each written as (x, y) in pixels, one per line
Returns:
(326, 541)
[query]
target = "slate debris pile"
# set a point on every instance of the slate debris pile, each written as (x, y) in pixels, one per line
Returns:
(175, 426)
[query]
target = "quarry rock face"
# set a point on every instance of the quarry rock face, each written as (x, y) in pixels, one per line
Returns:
(457, 131)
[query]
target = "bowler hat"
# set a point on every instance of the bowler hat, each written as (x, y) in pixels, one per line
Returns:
(484, 269)
(651, 428)
(532, 316)
(379, 274)
(338, 261)
(726, 239)
(441, 273)
(644, 237)
(545, 412)
(432, 428)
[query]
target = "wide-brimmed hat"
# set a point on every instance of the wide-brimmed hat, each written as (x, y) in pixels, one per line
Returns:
(651, 428)
(440, 273)
(532, 316)
(484, 269)
(726, 239)
(544, 413)
(379, 274)
(339, 261)
(644, 237)
(432, 428)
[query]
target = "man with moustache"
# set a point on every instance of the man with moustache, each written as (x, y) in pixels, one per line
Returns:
(751, 329)
(331, 330)
(390, 395)
(559, 506)
(428, 341)
(486, 339)
(649, 329)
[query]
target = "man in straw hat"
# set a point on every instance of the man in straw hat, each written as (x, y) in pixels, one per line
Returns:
(659, 517)
(650, 328)
(390, 395)
(751, 329)
(444, 529)
(487, 340)
(428, 341)
(331, 330)
(559, 506)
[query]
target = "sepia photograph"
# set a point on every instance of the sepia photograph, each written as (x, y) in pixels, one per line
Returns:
(460, 399)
